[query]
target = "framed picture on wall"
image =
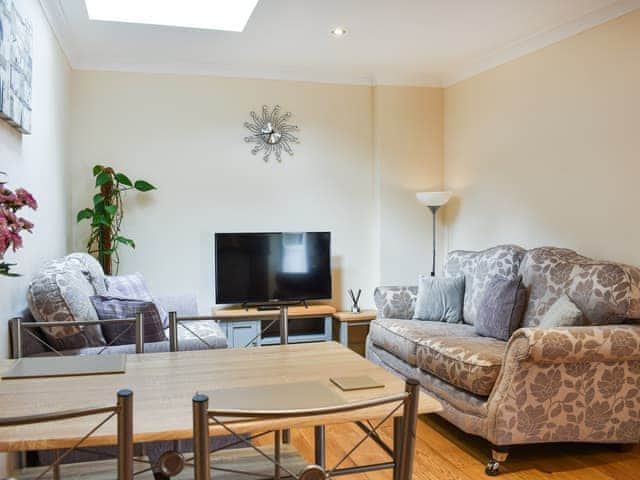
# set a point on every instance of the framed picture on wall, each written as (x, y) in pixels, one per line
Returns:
(16, 40)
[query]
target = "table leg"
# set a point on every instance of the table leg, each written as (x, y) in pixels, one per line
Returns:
(397, 446)
(319, 445)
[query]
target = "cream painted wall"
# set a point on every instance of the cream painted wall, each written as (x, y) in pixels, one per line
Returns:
(185, 134)
(37, 162)
(544, 150)
(408, 133)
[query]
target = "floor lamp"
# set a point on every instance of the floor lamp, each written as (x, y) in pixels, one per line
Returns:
(433, 200)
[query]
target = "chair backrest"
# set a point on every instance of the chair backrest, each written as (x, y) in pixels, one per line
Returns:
(24, 334)
(122, 410)
(403, 403)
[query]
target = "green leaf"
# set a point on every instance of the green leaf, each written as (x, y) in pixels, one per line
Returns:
(100, 220)
(98, 199)
(84, 214)
(143, 186)
(111, 209)
(97, 169)
(102, 178)
(125, 241)
(124, 180)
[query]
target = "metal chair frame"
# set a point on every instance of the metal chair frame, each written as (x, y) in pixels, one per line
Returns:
(403, 438)
(17, 326)
(123, 410)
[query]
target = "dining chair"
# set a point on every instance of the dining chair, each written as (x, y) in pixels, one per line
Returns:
(281, 460)
(122, 465)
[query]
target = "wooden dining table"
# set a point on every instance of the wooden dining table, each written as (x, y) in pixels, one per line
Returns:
(164, 384)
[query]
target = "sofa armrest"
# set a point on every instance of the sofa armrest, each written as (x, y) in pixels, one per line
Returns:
(183, 305)
(395, 302)
(574, 384)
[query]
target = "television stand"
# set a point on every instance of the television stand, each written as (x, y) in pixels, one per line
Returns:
(267, 308)
(246, 327)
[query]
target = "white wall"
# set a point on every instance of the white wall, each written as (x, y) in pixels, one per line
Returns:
(544, 149)
(37, 163)
(408, 132)
(185, 134)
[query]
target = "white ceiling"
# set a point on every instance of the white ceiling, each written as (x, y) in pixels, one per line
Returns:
(406, 42)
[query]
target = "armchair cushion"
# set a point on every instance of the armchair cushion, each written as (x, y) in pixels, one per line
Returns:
(60, 292)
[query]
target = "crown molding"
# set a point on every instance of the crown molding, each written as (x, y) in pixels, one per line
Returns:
(245, 71)
(55, 14)
(541, 40)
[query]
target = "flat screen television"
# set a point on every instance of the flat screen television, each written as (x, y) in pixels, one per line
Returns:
(262, 268)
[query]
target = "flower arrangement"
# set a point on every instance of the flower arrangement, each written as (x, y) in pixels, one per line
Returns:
(11, 225)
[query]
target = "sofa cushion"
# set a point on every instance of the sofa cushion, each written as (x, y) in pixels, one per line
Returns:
(472, 362)
(501, 309)
(133, 285)
(395, 302)
(401, 337)
(60, 292)
(439, 299)
(606, 292)
(477, 268)
(563, 313)
(112, 308)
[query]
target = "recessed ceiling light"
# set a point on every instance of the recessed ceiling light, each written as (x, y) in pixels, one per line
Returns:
(230, 15)
(339, 32)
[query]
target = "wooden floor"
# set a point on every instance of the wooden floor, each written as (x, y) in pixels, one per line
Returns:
(445, 453)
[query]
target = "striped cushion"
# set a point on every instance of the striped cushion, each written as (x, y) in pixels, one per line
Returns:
(109, 308)
(133, 286)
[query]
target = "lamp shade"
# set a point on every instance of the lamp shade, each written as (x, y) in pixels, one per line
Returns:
(433, 199)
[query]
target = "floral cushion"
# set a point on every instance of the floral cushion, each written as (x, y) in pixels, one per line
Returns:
(396, 302)
(478, 268)
(60, 292)
(472, 363)
(401, 337)
(606, 292)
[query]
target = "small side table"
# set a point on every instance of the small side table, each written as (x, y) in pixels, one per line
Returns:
(346, 320)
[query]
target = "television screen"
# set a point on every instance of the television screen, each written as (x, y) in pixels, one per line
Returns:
(272, 267)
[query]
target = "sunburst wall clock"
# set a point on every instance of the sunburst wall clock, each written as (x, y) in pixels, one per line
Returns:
(271, 133)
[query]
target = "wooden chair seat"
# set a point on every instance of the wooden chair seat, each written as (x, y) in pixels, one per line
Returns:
(99, 470)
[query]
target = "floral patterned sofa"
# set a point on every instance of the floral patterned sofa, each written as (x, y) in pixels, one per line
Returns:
(570, 384)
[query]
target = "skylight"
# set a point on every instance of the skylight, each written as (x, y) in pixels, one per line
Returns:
(230, 15)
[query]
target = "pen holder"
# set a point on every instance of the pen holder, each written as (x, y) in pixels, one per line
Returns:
(355, 308)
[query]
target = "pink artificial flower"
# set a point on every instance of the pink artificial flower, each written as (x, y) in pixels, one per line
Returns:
(25, 224)
(7, 197)
(16, 240)
(5, 241)
(9, 217)
(25, 198)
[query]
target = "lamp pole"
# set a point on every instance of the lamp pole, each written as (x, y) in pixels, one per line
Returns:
(434, 210)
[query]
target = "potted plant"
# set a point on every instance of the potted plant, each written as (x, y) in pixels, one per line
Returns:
(11, 225)
(107, 214)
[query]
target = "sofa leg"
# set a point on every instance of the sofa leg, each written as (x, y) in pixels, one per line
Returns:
(498, 455)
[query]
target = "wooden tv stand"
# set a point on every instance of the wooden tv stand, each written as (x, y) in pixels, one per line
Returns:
(243, 325)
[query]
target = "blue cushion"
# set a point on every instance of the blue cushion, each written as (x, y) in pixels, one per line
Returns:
(439, 299)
